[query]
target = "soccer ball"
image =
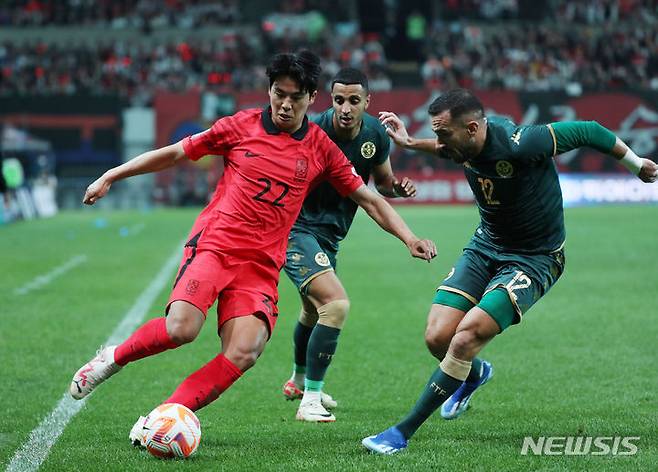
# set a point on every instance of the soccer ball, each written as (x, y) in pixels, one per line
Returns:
(172, 430)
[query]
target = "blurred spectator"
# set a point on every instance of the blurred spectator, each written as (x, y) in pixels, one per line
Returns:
(433, 73)
(416, 33)
(378, 81)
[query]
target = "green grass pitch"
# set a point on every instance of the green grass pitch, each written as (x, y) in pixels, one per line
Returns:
(583, 362)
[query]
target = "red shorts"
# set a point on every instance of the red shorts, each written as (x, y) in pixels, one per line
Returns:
(241, 287)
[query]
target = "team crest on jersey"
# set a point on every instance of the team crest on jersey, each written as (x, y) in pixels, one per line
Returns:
(322, 259)
(301, 169)
(192, 286)
(504, 168)
(368, 149)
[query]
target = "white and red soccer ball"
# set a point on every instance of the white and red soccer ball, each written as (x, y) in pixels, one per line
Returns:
(172, 431)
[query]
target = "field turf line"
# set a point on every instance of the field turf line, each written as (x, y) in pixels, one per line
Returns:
(32, 454)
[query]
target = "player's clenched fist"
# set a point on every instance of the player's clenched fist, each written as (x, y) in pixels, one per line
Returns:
(649, 171)
(423, 249)
(96, 190)
(405, 189)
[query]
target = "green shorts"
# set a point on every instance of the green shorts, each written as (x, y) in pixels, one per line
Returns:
(483, 273)
(307, 257)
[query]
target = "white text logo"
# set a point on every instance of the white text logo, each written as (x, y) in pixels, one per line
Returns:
(580, 445)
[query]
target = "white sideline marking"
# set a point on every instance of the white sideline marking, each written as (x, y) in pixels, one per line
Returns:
(41, 280)
(30, 456)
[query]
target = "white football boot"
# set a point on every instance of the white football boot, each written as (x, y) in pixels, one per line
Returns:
(327, 401)
(94, 372)
(293, 392)
(313, 412)
(137, 434)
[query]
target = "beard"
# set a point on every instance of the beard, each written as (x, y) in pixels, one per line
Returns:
(454, 155)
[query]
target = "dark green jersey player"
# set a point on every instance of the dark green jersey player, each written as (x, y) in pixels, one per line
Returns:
(516, 253)
(517, 189)
(323, 222)
(325, 213)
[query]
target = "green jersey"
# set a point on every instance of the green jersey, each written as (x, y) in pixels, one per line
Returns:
(324, 212)
(516, 187)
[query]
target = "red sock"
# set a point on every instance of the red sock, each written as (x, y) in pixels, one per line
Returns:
(150, 338)
(206, 384)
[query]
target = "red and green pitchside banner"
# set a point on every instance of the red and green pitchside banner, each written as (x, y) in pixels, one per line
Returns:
(586, 176)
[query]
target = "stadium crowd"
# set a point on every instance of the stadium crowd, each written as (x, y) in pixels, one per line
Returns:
(195, 13)
(454, 48)
(541, 57)
(590, 12)
(118, 14)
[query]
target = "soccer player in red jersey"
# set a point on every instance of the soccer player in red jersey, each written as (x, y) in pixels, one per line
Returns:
(238, 243)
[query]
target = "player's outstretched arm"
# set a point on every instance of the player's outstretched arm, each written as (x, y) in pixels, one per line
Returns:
(574, 134)
(388, 185)
(150, 161)
(398, 133)
(386, 217)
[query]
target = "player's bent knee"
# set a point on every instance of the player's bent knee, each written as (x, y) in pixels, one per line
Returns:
(181, 330)
(181, 334)
(308, 318)
(437, 343)
(184, 322)
(465, 341)
(243, 358)
(334, 313)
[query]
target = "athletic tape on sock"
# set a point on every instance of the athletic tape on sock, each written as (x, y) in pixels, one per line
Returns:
(454, 367)
(333, 314)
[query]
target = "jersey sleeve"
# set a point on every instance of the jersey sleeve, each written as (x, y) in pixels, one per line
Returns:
(575, 134)
(533, 142)
(340, 172)
(216, 140)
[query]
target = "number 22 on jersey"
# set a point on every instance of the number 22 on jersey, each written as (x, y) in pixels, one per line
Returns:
(267, 187)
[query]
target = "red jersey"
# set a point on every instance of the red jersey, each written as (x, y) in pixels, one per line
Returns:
(267, 175)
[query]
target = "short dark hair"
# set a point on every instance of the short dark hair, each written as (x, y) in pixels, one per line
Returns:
(350, 76)
(459, 101)
(303, 67)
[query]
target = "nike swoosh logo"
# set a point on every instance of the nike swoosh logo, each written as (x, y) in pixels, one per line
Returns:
(251, 154)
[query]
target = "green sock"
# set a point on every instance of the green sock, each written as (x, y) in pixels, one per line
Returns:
(474, 374)
(437, 390)
(313, 385)
(321, 349)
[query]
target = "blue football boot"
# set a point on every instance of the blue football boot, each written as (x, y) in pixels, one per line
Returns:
(387, 442)
(458, 401)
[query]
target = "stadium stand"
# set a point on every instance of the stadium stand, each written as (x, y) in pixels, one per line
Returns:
(448, 52)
